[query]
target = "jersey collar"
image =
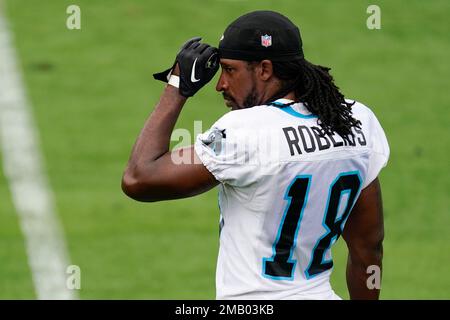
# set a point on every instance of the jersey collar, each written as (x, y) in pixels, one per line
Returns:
(293, 108)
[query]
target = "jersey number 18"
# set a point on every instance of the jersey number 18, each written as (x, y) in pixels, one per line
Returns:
(281, 266)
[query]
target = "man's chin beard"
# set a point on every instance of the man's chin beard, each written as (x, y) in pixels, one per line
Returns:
(231, 104)
(250, 100)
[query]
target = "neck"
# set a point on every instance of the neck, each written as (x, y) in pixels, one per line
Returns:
(270, 93)
(290, 96)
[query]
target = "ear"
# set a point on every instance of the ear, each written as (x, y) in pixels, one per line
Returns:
(266, 70)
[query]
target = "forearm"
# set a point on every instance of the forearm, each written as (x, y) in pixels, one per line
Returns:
(152, 174)
(154, 139)
(364, 282)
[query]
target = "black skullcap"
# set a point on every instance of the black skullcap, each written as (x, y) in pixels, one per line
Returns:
(260, 35)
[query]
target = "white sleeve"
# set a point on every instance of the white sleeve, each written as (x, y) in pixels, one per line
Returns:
(226, 153)
(379, 154)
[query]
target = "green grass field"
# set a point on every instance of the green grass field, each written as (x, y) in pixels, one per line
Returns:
(92, 89)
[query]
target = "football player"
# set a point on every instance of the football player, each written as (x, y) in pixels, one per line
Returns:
(295, 162)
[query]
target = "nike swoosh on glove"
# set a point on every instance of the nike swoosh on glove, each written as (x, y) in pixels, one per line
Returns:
(198, 64)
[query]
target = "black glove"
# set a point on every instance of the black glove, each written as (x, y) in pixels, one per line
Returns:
(198, 64)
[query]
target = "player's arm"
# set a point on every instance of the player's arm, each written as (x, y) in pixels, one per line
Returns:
(363, 233)
(151, 173)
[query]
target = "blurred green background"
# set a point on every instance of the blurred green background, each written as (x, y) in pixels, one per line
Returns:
(92, 89)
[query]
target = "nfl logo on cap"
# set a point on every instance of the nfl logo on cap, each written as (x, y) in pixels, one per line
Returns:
(266, 40)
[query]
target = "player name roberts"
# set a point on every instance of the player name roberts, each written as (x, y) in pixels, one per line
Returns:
(310, 139)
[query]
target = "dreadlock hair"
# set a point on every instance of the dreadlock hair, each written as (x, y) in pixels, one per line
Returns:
(314, 87)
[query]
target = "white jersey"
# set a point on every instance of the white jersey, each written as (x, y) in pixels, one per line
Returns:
(286, 191)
